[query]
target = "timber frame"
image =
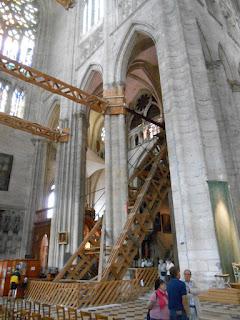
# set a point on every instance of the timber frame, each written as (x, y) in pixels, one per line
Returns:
(144, 201)
(49, 83)
(67, 4)
(34, 128)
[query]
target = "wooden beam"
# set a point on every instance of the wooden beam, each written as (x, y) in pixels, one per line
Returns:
(67, 4)
(42, 80)
(77, 271)
(34, 128)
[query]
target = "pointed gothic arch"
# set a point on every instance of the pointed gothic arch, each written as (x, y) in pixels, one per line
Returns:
(127, 45)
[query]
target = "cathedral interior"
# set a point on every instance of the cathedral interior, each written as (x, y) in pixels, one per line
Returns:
(119, 148)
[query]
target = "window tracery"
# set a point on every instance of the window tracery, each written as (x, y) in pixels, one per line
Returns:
(92, 14)
(18, 28)
(141, 130)
(12, 99)
(4, 88)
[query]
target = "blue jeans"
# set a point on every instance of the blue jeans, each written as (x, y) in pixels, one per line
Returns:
(177, 315)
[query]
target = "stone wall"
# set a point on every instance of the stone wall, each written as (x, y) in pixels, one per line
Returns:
(201, 106)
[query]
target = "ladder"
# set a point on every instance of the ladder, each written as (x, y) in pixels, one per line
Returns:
(81, 263)
(154, 174)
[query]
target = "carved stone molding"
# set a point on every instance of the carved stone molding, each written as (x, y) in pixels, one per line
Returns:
(89, 45)
(235, 85)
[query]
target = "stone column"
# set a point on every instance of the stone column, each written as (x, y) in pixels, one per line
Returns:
(70, 189)
(36, 193)
(116, 169)
(192, 138)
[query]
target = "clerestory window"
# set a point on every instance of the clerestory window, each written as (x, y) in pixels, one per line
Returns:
(18, 28)
(92, 14)
(12, 99)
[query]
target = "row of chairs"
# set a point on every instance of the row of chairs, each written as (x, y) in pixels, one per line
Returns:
(20, 309)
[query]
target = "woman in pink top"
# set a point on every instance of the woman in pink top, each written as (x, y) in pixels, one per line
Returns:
(158, 304)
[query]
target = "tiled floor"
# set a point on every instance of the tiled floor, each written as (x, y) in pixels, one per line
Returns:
(133, 310)
(219, 311)
(137, 310)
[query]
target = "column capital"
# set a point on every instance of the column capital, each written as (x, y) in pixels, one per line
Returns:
(116, 101)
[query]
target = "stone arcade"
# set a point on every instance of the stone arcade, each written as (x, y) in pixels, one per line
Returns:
(175, 62)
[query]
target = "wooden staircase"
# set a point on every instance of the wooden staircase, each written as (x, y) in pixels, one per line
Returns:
(149, 186)
(81, 263)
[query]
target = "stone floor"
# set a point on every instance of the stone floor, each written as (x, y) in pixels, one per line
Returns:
(137, 310)
(217, 311)
(133, 310)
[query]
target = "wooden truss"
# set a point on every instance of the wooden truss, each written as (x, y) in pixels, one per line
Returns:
(144, 201)
(81, 263)
(154, 175)
(34, 128)
(67, 4)
(44, 81)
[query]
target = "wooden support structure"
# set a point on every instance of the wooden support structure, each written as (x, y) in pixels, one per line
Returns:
(81, 262)
(144, 202)
(154, 183)
(67, 4)
(34, 128)
(154, 174)
(44, 81)
(90, 293)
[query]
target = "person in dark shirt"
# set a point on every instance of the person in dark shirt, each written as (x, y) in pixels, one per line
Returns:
(177, 296)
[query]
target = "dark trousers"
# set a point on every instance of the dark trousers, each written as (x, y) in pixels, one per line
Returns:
(178, 315)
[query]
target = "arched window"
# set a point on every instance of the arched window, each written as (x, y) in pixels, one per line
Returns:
(92, 14)
(12, 99)
(18, 28)
(51, 202)
(4, 88)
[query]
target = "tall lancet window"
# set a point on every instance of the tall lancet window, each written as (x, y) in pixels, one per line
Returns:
(92, 14)
(18, 29)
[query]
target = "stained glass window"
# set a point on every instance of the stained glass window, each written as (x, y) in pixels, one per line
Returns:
(18, 103)
(4, 87)
(12, 99)
(18, 27)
